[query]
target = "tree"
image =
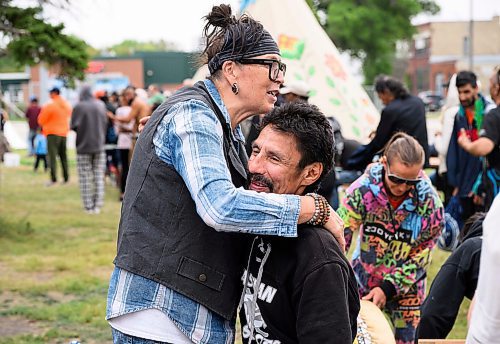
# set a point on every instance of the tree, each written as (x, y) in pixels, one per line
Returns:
(129, 47)
(369, 29)
(30, 40)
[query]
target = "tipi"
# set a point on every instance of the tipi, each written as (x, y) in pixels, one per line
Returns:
(311, 56)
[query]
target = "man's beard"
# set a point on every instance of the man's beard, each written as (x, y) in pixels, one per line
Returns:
(259, 178)
(468, 103)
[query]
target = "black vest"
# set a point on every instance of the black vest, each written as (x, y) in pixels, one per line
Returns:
(161, 237)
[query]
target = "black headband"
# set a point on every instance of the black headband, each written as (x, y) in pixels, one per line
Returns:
(243, 48)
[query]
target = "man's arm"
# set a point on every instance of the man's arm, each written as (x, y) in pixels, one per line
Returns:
(481, 147)
(326, 307)
(490, 136)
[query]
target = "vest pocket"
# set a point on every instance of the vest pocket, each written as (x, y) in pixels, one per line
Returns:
(201, 273)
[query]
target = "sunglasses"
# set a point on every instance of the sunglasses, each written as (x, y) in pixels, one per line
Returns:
(398, 180)
(275, 66)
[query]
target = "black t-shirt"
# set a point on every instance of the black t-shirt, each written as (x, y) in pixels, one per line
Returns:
(307, 294)
(491, 130)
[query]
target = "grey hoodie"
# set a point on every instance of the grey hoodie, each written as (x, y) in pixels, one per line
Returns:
(90, 123)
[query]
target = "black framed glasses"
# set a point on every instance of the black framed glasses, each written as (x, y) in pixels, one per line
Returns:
(398, 180)
(275, 66)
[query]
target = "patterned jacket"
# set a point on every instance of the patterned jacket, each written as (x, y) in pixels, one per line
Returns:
(394, 245)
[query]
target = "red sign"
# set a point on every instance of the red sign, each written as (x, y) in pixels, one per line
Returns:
(94, 67)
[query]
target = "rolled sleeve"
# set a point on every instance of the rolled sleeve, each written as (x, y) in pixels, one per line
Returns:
(190, 139)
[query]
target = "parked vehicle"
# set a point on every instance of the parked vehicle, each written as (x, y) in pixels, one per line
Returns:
(432, 100)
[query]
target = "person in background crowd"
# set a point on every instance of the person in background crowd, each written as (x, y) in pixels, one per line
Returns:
(54, 119)
(181, 242)
(124, 144)
(89, 122)
(114, 99)
(4, 144)
(399, 217)
(4, 116)
(32, 113)
(487, 146)
(112, 155)
(456, 279)
(156, 97)
(138, 108)
(403, 112)
(463, 167)
(40, 150)
(295, 91)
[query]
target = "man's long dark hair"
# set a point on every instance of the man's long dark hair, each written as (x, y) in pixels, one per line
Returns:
(385, 83)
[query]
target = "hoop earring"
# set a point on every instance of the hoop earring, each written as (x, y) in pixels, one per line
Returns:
(234, 88)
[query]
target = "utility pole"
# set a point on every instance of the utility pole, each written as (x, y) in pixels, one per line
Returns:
(471, 38)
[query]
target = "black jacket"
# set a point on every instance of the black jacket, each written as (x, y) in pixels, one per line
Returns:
(456, 279)
(406, 115)
(308, 292)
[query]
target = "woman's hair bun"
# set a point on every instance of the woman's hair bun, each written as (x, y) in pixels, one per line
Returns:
(221, 16)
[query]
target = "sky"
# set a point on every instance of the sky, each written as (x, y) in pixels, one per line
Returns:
(102, 23)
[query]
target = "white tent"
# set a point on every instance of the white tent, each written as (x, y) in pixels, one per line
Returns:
(311, 56)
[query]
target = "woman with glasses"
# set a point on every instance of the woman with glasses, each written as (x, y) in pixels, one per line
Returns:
(399, 217)
(183, 234)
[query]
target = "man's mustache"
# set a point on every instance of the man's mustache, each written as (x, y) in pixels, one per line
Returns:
(467, 103)
(259, 178)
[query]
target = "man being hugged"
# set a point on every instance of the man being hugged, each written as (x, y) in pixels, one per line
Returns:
(299, 290)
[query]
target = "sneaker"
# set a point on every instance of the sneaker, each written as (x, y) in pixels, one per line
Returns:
(94, 211)
(50, 183)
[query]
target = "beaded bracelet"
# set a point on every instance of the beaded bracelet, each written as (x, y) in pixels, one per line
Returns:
(321, 210)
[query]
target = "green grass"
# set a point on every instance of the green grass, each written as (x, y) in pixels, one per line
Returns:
(55, 260)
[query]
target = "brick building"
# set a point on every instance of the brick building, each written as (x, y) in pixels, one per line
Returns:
(439, 49)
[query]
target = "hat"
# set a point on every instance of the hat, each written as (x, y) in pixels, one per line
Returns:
(54, 90)
(297, 87)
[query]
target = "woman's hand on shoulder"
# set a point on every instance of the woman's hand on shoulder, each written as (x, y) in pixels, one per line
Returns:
(335, 225)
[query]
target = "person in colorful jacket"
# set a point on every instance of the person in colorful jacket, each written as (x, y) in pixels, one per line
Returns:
(399, 217)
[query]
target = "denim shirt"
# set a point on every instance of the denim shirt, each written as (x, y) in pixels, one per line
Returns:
(190, 139)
